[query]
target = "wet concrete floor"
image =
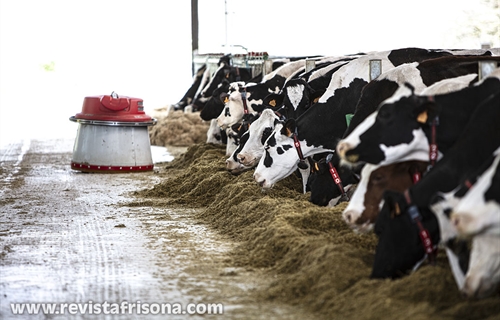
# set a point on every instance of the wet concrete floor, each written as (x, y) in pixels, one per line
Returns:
(65, 237)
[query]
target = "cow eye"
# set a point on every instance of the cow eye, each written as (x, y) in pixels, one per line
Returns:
(377, 178)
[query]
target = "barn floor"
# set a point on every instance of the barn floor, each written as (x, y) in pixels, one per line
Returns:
(67, 237)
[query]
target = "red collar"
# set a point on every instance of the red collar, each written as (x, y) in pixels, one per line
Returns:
(244, 99)
(416, 217)
(336, 177)
(296, 143)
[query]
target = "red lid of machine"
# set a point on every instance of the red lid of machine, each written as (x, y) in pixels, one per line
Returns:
(113, 108)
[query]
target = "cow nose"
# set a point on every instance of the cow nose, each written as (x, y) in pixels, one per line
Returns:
(258, 180)
(347, 217)
(342, 148)
(350, 216)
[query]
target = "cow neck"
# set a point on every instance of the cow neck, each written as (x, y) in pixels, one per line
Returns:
(336, 177)
(244, 99)
(416, 217)
(302, 162)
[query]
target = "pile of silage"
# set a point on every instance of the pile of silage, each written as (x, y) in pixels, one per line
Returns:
(177, 128)
(319, 262)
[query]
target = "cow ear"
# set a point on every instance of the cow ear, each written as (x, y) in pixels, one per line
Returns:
(314, 96)
(426, 111)
(224, 97)
(289, 128)
(313, 165)
(395, 202)
(273, 100)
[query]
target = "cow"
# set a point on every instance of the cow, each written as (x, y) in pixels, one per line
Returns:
(232, 163)
(476, 271)
(236, 131)
(366, 143)
(333, 184)
(479, 210)
(363, 208)
(421, 75)
(405, 218)
(364, 205)
(215, 135)
(225, 72)
(244, 99)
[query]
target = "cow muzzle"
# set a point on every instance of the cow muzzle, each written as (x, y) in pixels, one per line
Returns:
(246, 160)
(343, 148)
(262, 182)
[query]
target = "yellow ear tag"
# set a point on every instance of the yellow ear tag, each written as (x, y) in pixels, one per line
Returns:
(316, 167)
(288, 132)
(226, 99)
(316, 100)
(422, 117)
(397, 209)
(272, 103)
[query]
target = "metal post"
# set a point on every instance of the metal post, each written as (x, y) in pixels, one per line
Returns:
(485, 68)
(268, 67)
(486, 45)
(194, 32)
(375, 68)
(310, 64)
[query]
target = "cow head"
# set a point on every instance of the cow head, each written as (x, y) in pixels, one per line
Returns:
(476, 267)
(280, 155)
(395, 132)
(237, 103)
(215, 104)
(399, 248)
(479, 210)
(324, 190)
(483, 277)
(258, 133)
(364, 206)
(232, 164)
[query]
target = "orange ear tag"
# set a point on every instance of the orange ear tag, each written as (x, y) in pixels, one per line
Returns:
(226, 100)
(288, 132)
(422, 117)
(272, 103)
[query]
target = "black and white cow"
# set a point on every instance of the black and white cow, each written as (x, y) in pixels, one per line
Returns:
(215, 104)
(472, 209)
(422, 74)
(244, 99)
(330, 183)
(393, 133)
(406, 217)
(225, 72)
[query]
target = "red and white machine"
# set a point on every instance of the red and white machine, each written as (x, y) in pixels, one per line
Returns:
(112, 135)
